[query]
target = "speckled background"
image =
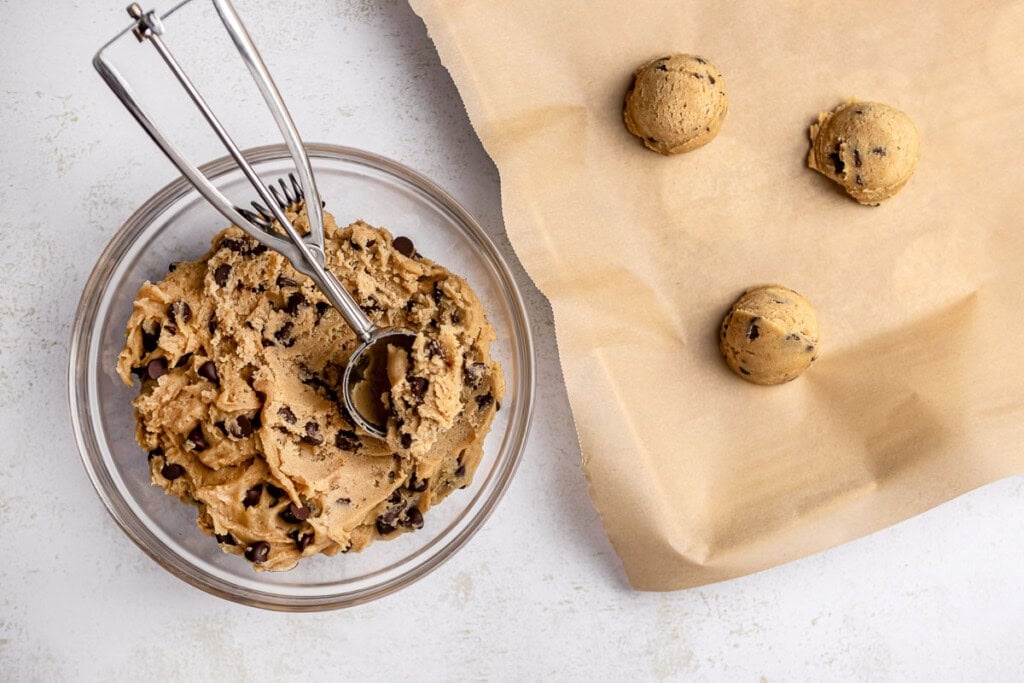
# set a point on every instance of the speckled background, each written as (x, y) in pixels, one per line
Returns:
(538, 592)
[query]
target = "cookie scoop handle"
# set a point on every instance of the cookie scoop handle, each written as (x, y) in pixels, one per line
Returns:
(306, 254)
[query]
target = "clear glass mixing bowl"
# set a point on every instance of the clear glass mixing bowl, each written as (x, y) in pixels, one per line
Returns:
(176, 224)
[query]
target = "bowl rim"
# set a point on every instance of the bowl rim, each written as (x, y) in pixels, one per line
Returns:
(85, 436)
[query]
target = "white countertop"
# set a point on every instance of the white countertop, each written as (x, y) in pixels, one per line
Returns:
(539, 591)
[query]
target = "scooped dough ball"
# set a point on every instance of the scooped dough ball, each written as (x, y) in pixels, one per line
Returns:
(870, 149)
(676, 103)
(770, 335)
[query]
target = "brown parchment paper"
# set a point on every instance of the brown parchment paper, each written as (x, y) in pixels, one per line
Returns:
(917, 396)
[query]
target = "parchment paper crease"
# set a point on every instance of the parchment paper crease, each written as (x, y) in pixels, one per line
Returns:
(917, 396)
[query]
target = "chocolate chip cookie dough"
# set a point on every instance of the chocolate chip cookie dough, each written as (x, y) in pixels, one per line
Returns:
(241, 359)
(770, 335)
(676, 103)
(870, 149)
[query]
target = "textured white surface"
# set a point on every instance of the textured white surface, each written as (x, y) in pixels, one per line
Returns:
(538, 592)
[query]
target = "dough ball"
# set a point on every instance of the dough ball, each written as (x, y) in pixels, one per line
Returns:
(676, 103)
(770, 335)
(870, 149)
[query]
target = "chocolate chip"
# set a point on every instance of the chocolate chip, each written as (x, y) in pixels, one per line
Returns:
(295, 514)
(258, 552)
(347, 441)
(700, 60)
(183, 361)
(208, 371)
(456, 316)
(179, 312)
(474, 374)
(233, 245)
(239, 426)
(171, 471)
(837, 162)
(395, 497)
(226, 539)
(418, 385)
(371, 306)
(321, 308)
(370, 243)
(417, 485)
(434, 349)
(267, 343)
(286, 414)
(301, 540)
(173, 266)
(156, 368)
(197, 440)
(252, 496)
(460, 471)
(859, 180)
(155, 453)
(437, 293)
(355, 245)
(404, 246)
(284, 334)
(484, 401)
(212, 324)
(753, 332)
(275, 492)
(856, 158)
(386, 523)
(285, 281)
(406, 440)
(413, 518)
(295, 301)
(880, 151)
(221, 275)
(661, 67)
(313, 436)
(150, 339)
(171, 329)
(711, 78)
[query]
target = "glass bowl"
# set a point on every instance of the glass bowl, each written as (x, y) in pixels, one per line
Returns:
(177, 224)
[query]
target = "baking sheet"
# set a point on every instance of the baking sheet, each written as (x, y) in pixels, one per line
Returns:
(917, 396)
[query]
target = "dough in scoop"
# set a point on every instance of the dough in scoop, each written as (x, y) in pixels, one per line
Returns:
(676, 103)
(770, 335)
(870, 149)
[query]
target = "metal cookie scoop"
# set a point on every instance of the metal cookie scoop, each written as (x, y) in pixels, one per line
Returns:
(306, 253)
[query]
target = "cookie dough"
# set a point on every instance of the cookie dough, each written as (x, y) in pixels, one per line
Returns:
(676, 103)
(241, 360)
(870, 149)
(770, 335)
